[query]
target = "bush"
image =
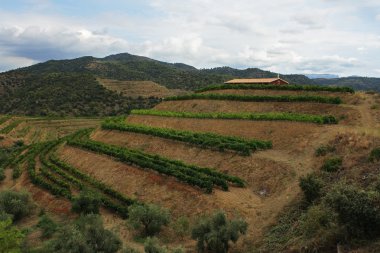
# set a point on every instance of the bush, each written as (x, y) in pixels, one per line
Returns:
(87, 202)
(150, 218)
(86, 235)
(151, 245)
(17, 204)
(214, 233)
(375, 155)
(181, 226)
(332, 164)
(311, 186)
(358, 210)
(316, 220)
(324, 150)
(47, 225)
(10, 237)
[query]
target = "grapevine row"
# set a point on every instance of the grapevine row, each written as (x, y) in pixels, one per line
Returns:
(203, 178)
(271, 116)
(10, 127)
(206, 140)
(253, 98)
(56, 177)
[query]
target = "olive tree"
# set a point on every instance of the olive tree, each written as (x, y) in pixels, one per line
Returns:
(214, 233)
(150, 218)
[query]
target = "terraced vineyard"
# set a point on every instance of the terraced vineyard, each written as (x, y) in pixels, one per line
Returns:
(184, 158)
(283, 98)
(208, 140)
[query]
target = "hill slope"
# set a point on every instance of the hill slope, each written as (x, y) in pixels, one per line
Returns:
(150, 166)
(73, 87)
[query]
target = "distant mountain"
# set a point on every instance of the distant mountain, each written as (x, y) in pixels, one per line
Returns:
(325, 76)
(355, 82)
(71, 87)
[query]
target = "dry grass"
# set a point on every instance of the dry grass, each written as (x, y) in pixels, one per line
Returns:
(136, 89)
(272, 175)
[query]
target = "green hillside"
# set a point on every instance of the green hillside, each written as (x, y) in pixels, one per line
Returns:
(70, 88)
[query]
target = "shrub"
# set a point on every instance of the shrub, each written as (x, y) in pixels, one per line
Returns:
(317, 219)
(151, 245)
(319, 229)
(214, 233)
(17, 204)
(86, 235)
(357, 209)
(375, 154)
(311, 186)
(47, 225)
(87, 202)
(10, 237)
(324, 150)
(332, 164)
(150, 218)
(181, 226)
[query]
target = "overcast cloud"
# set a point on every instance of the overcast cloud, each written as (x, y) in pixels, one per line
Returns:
(288, 36)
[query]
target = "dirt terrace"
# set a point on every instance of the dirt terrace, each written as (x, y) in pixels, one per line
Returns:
(346, 97)
(346, 114)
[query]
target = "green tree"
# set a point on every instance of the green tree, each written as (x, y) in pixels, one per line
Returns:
(311, 186)
(10, 237)
(87, 202)
(17, 204)
(87, 234)
(357, 210)
(214, 233)
(150, 218)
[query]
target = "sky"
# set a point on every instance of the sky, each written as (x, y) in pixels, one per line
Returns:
(288, 36)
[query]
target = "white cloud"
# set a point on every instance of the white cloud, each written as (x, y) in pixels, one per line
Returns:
(289, 36)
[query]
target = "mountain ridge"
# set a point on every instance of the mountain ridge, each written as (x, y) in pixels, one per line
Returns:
(77, 90)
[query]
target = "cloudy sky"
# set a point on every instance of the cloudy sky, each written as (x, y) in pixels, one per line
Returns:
(288, 36)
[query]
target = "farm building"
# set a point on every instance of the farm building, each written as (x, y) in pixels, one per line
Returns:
(258, 81)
